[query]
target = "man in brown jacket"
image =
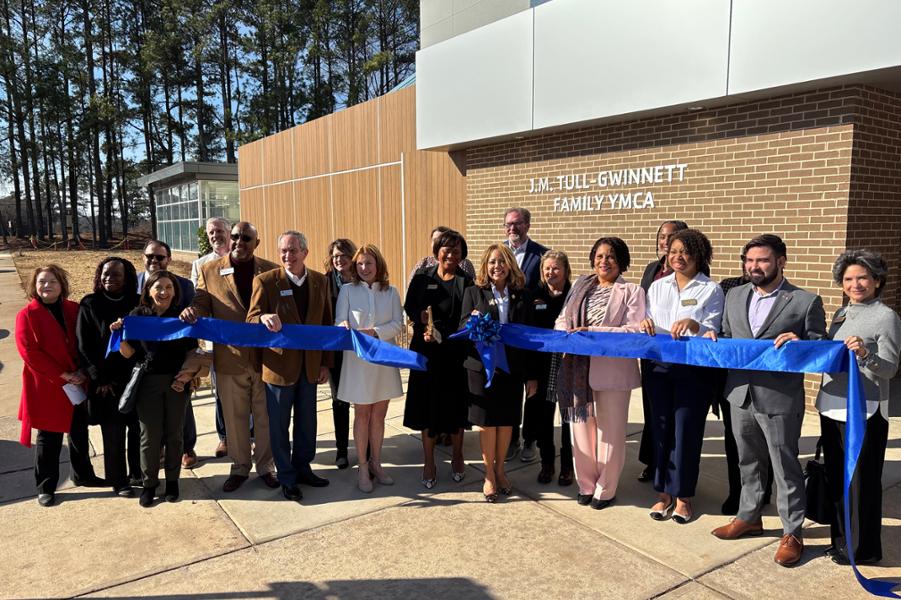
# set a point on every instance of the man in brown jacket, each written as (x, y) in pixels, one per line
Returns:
(224, 287)
(295, 295)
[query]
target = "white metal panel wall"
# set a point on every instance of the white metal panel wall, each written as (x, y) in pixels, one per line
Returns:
(600, 58)
(476, 85)
(776, 43)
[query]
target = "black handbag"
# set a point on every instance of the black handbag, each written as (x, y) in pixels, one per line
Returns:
(129, 396)
(820, 506)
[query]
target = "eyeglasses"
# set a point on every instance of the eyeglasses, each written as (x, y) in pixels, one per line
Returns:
(156, 257)
(512, 224)
(243, 237)
(340, 256)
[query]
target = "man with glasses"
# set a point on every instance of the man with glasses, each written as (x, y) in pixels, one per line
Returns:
(528, 253)
(157, 256)
(223, 292)
(293, 295)
(217, 232)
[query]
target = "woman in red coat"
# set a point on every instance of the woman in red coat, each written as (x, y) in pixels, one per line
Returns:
(45, 337)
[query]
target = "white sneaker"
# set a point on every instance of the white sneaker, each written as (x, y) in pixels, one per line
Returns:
(512, 451)
(528, 453)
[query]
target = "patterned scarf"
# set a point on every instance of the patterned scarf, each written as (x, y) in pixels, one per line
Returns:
(573, 392)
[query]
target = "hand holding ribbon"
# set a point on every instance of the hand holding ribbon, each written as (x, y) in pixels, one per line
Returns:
(486, 333)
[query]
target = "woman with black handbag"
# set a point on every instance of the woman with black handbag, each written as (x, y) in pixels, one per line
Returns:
(161, 399)
(872, 331)
(113, 298)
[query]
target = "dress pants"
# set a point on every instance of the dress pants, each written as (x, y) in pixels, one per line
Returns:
(161, 412)
(114, 462)
(538, 425)
(189, 428)
(292, 459)
(243, 394)
(47, 449)
(220, 418)
(340, 413)
(866, 486)
(646, 449)
(599, 444)
(732, 471)
(680, 398)
(761, 435)
(133, 441)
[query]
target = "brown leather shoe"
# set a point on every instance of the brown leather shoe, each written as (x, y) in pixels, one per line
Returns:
(233, 482)
(736, 528)
(189, 459)
(270, 480)
(221, 449)
(790, 549)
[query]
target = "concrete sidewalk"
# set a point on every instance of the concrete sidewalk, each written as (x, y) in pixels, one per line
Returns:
(400, 541)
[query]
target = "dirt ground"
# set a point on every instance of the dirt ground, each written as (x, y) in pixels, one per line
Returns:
(81, 264)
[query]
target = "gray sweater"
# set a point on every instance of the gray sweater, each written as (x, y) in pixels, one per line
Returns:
(880, 328)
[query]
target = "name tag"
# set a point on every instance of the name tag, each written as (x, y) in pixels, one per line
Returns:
(432, 286)
(690, 302)
(286, 293)
(541, 307)
(227, 271)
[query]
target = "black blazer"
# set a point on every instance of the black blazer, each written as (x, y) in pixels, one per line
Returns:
(531, 264)
(650, 272)
(521, 362)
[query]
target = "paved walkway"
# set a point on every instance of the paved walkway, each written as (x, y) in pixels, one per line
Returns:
(401, 541)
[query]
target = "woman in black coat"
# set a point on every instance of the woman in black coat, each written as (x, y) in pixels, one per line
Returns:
(499, 291)
(436, 398)
(114, 283)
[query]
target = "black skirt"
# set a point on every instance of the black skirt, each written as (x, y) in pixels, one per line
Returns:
(499, 405)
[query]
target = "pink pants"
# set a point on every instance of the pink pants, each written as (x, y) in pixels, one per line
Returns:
(599, 444)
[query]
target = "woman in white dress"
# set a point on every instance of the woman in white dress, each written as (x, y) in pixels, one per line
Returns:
(371, 306)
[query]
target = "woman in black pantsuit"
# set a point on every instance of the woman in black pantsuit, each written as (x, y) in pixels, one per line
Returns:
(113, 298)
(499, 291)
(436, 398)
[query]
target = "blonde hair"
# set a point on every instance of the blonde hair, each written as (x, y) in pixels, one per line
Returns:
(381, 267)
(515, 280)
(31, 290)
(561, 257)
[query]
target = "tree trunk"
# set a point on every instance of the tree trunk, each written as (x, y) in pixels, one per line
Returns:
(29, 115)
(100, 232)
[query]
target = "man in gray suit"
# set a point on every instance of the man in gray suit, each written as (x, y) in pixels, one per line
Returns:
(768, 407)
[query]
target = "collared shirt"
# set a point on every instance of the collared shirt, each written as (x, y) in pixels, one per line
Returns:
(298, 281)
(760, 306)
(502, 301)
(518, 253)
(701, 300)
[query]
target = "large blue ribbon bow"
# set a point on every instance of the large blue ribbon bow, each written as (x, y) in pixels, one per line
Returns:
(758, 355)
(486, 333)
(294, 337)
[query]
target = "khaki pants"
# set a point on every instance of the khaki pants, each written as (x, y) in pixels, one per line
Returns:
(240, 395)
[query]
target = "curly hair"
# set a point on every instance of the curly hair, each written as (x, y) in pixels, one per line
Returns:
(869, 260)
(131, 276)
(516, 279)
(697, 246)
(381, 266)
(620, 250)
(31, 289)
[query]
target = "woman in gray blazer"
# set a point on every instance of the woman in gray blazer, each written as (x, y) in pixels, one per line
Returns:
(873, 331)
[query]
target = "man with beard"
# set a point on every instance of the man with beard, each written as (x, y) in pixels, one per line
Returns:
(223, 292)
(767, 406)
(217, 232)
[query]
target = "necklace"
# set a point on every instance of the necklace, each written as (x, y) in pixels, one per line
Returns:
(111, 299)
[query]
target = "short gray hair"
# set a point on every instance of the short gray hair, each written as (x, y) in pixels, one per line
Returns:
(301, 238)
(222, 220)
(526, 215)
(869, 260)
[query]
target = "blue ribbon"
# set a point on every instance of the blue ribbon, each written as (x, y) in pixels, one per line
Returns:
(486, 333)
(293, 337)
(758, 355)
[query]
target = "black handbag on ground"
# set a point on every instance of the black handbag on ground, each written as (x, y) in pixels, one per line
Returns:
(820, 506)
(129, 396)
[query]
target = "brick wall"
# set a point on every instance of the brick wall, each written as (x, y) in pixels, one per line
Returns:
(820, 169)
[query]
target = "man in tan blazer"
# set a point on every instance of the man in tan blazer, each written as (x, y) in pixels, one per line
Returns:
(224, 287)
(296, 295)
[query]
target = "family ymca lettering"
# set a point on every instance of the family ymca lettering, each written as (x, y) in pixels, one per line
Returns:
(574, 190)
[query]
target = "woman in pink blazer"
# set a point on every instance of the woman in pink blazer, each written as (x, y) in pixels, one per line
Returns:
(593, 392)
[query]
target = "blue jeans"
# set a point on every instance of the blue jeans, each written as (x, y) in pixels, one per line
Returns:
(292, 459)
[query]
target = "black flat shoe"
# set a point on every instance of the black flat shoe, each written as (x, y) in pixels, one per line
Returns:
(312, 480)
(598, 504)
(546, 474)
(171, 493)
(92, 481)
(565, 479)
(292, 492)
(46, 499)
(646, 475)
(124, 492)
(583, 499)
(341, 461)
(146, 499)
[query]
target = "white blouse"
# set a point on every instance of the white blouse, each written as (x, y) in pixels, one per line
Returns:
(701, 299)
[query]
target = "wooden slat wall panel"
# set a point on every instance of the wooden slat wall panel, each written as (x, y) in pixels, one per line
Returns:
(279, 216)
(252, 208)
(391, 243)
(354, 137)
(277, 158)
(397, 124)
(250, 171)
(355, 202)
(313, 210)
(311, 148)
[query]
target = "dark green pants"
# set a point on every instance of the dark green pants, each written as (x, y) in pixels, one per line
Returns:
(161, 412)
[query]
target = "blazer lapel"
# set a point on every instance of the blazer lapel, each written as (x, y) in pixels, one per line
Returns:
(225, 263)
(782, 300)
(282, 284)
(614, 303)
(488, 297)
(745, 304)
